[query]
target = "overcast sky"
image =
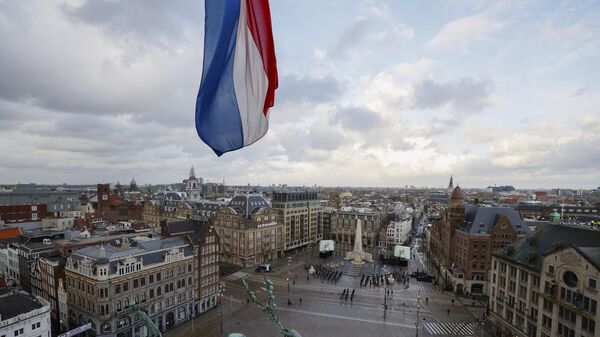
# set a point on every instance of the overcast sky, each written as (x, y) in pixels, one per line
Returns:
(372, 93)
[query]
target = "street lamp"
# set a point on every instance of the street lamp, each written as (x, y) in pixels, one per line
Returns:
(482, 324)
(418, 308)
(288, 278)
(220, 295)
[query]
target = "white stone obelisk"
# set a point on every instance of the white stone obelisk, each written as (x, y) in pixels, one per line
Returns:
(357, 255)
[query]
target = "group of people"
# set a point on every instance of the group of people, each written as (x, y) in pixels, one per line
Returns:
(401, 276)
(376, 280)
(326, 273)
(345, 293)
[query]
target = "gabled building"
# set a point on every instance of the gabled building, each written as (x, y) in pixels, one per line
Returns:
(46, 275)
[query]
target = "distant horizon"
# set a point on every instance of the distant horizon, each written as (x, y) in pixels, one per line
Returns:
(318, 186)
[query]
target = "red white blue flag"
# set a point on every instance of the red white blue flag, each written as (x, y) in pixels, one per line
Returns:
(239, 77)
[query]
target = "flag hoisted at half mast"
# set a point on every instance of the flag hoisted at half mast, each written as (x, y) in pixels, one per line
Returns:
(239, 76)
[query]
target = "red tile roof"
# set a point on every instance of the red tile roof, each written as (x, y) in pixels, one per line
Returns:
(10, 232)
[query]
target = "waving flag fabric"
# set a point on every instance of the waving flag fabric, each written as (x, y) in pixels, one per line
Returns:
(239, 77)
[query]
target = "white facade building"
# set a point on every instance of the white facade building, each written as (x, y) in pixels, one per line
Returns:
(23, 315)
(398, 232)
(59, 224)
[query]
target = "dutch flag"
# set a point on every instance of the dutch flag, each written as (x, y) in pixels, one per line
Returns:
(239, 76)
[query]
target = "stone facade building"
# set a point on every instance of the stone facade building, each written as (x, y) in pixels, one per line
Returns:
(302, 216)
(115, 286)
(544, 287)
(463, 238)
(343, 227)
(250, 230)
(151, 214)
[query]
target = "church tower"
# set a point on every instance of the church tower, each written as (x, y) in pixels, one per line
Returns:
(193, 187)
(450, 186)
(456, 212)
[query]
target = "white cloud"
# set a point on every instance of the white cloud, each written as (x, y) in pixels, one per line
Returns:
(462, 33)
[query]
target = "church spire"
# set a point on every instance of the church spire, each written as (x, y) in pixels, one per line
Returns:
(451, 183)
(192, 172)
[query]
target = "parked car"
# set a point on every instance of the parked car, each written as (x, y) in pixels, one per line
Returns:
(264, 268)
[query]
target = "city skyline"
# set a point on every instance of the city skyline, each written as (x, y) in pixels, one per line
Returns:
(378, 94)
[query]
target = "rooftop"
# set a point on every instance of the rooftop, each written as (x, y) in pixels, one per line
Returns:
(193, 228)
(248, 204)
(127, 247)
(480, 220)
(530, 250)
(16, 303)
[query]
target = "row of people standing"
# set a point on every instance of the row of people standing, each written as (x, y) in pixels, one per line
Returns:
(345, 293)
(326, 273)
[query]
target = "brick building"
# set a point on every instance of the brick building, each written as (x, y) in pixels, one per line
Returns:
(22, 213)
(46, 274)
(113, 207)
(206, 244)
(463, 238)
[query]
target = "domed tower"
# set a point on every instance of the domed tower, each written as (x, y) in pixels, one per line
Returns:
(133, 185)
(456, 212)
